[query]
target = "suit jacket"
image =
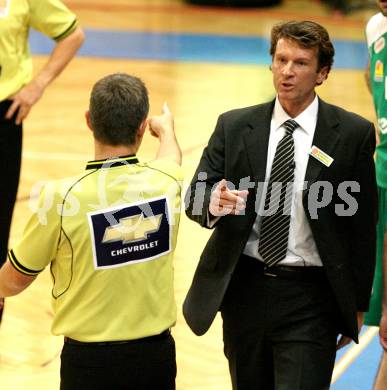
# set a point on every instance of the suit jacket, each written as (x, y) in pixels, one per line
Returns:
(346, 244)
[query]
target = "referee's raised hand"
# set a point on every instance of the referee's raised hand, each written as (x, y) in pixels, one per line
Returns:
(162, 127)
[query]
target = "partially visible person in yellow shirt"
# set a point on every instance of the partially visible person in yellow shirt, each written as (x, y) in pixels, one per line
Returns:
(19, 91)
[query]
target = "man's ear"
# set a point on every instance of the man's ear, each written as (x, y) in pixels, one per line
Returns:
(322, 75)
(88, 121)
(142, 128)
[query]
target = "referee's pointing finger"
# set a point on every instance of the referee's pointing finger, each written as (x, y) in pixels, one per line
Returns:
(166, 109)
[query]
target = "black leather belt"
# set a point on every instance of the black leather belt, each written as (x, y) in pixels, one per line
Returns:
(160, 336)
(307, 273)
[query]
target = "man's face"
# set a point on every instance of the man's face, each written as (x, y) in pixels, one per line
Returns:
(295, 73)
(382, 4)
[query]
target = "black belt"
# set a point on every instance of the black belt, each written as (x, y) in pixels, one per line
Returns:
(160, 336)
(307, 273)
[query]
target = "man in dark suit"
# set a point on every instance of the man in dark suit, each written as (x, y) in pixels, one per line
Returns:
(290, 263)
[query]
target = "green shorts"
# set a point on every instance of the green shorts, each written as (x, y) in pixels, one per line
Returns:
(373, 316)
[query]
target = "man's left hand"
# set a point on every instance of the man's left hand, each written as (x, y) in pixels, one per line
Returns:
(344, 340)
(23, 101)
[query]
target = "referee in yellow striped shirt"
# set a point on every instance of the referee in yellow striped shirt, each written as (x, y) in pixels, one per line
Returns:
(109, 235)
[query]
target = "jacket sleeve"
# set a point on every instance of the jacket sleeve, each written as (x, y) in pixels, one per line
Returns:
(210, 171)
(364, 222)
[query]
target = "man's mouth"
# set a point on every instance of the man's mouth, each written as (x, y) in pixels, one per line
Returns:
(287, 85)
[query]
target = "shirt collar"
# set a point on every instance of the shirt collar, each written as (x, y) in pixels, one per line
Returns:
(307, 119)
(112, 162)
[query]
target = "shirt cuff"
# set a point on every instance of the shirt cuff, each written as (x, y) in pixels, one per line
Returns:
(211, 220)
(20, 267)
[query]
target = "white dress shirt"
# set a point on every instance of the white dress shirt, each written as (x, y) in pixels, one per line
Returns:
(302, 249)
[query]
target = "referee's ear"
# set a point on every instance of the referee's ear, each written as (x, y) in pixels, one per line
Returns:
(87, 117)
(142, 128)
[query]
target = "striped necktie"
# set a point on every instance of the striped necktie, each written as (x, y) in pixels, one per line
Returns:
(273, 241)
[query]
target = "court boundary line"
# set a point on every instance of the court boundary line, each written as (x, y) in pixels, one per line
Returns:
(353, 352)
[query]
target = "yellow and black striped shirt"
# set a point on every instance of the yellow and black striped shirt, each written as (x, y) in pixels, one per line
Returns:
(109, 235)
(50, 17)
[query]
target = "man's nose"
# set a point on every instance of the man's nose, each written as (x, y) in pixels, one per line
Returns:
(287, 69)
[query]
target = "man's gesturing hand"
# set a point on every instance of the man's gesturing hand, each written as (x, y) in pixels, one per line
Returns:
(225, 201)
(162, 125)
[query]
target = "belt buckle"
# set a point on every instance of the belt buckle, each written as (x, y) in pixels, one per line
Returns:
(266, 272)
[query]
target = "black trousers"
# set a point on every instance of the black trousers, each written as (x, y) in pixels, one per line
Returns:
(10, 160)
(146, 364)
(278, 333)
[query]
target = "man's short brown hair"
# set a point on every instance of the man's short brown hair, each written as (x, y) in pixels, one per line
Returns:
(307, 35)
(118, 105)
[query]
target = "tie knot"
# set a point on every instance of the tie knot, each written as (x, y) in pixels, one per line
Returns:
(290, 125)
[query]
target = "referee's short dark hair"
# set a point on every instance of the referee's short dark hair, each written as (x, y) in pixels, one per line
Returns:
(118, 105)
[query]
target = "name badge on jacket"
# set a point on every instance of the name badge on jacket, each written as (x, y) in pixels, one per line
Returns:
(321, 156)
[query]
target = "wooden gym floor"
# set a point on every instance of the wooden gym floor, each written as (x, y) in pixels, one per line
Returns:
(195, 58)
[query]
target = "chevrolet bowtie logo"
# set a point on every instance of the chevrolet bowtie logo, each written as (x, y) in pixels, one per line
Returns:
(134, 228)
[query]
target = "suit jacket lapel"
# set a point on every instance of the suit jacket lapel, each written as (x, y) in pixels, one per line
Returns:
(325, 138)
(256, 140)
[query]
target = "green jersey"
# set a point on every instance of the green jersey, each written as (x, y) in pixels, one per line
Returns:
(376, 32)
